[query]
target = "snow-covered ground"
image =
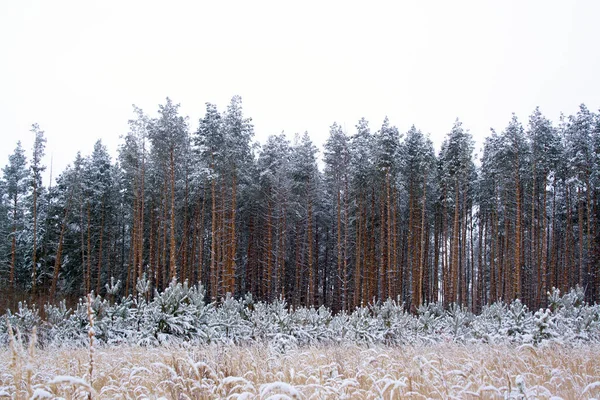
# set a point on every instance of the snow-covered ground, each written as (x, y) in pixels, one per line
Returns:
(447, 370)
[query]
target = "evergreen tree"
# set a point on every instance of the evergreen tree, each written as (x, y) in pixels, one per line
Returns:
(305, 182)
(15, 176)
(417, 165)
(336, 156)
(37, 168)
(168, 135)
(266, 278)
(455, 176)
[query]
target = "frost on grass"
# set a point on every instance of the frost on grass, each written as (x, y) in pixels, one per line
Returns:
(341, 371)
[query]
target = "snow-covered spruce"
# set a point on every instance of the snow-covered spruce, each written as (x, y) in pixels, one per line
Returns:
(180, 315)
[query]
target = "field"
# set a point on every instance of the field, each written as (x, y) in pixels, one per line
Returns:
(445, 370)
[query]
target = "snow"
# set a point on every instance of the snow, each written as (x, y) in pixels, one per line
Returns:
(71, 380)
(39, 394)
(179, 320)
(591, 386)
(281, 387)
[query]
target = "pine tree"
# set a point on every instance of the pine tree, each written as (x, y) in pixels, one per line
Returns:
(387, 142)
(544, 146)
(305, 179)
(15, 176)
(361, 177)
(456, 166)
(37, 168)
(273, 169)
(336, 156)
(417, 164)
(580, 165)
(168, 135)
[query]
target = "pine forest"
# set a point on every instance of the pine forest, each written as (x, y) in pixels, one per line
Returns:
(377, 214)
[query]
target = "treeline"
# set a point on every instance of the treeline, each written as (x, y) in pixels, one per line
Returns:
(385, 217)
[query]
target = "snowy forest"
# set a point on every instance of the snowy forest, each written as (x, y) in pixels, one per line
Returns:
(379, 214)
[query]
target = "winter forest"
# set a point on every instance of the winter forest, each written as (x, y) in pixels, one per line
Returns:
(381, 215)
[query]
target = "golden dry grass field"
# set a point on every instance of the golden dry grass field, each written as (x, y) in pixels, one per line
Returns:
(441, 371)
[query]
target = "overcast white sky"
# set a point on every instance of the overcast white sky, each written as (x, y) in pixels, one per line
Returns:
(75, 67)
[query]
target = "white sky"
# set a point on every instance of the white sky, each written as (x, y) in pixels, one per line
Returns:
(76, 67)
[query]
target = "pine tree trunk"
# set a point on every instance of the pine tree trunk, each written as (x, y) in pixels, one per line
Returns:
(339, 280)
(88, 284)
(233, 240)
(151, 256)
(140, 240)
(222, 245)
(357, 257)
(389, 267)
(311, 280)
(382, 251)
(518, 243)
(567, 276)
(422, 257)
(269, 283)
(213, 241)
(455, 248)
(13, 247)
(463, 251)
(282, 254)
(436, 257)
(251, 284)
(165, 225)
(186, 270)
(58, 259)
(173, 261)
(544, 259)
(533, 258)
(397, 266)
(581, 246)
(200, 266)
(99, 269)
(412, 265)
(554, 243)
(372, 264)
(479, 298)
(34, 255)
(494, 282)
(298, 269)
(346, 299)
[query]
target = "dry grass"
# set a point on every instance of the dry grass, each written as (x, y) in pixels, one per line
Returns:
(331, 372)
